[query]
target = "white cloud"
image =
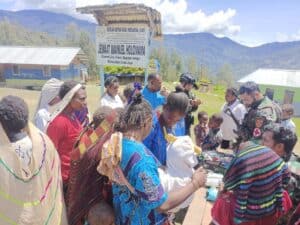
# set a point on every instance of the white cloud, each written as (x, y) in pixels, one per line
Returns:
(61, 6)
(176, 17)
(282, 37)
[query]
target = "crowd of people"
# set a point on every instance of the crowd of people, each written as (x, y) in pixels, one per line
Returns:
(135, 161)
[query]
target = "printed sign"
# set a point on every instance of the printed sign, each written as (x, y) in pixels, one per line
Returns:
(123, 46)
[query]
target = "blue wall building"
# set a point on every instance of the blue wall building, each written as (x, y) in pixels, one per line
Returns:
(32, 66)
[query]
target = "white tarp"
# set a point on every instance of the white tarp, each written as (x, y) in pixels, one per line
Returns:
(277, 77)
(122, 46)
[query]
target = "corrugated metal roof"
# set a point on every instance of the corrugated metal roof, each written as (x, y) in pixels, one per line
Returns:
(37, 55)
(277, 77)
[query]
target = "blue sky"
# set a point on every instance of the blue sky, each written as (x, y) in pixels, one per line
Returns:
(260, 20)
(248, 22)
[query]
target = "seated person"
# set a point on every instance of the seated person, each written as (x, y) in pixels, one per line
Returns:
(214, 137)
(280, 139)
(286, 120)
(253, 188)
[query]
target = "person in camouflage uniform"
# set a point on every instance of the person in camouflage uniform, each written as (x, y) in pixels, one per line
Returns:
(257, 104)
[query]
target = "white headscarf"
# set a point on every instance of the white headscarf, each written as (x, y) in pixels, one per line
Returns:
(60, 106)
(49, 91)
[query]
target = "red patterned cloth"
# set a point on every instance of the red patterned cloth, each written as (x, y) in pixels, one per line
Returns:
(223, 211)
(295, 219)
(86, 186)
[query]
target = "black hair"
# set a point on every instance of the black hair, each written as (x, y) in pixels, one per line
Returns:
(285, 136)
(66, 87)
(177, 101)
(249, 87)
(234, 91)
(152, 76)
(289, 108)
(217, 117)
(129, 88)
(13, 114)
(110, 80)
(134, 115)
(202, 114)
(100, 114)
(179, 88)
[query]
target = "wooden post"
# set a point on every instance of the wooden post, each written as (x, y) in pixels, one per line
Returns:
(101, 80)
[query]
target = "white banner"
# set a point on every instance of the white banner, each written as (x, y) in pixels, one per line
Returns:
(123, 46)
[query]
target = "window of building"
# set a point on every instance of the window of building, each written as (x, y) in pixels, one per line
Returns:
(16, 70)
(47, 71)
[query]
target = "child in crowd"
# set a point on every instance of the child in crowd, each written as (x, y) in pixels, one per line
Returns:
(214, 137)
(201, 129)
(287, 113)
(100, 214)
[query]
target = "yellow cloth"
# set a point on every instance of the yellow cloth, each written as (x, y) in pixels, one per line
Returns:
(110, 156)
(110, 159)
(171, 138)
(31, 195)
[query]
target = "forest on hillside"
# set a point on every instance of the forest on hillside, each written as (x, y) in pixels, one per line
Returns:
(172, 64)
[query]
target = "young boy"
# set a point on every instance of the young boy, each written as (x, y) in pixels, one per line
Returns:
(201, 129)
(287, 113)
(214, 137)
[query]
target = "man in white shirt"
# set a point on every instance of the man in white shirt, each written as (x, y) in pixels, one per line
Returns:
(233, 112)
(111, 97)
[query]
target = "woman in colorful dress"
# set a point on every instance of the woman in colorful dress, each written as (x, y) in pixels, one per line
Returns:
(140, 199)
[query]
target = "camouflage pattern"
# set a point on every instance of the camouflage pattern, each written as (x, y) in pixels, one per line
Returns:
(263, 107)
(189, 117)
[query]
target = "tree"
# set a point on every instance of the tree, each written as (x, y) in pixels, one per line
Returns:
(225, 76)
(72, 33)
(88, 47)
(192, 65)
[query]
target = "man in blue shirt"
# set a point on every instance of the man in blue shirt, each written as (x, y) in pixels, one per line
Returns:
(152, 92)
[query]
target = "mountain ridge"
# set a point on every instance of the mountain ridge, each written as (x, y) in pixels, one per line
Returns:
(208, 49)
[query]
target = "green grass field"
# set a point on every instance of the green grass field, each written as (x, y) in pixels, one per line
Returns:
(211, 102)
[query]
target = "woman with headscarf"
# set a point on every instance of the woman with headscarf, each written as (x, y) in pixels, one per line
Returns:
(111, 97)
(31, 183)
(49, 96)
(64, 127)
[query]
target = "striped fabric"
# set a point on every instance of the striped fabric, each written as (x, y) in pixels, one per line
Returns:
(256, 176)
(31, 195)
